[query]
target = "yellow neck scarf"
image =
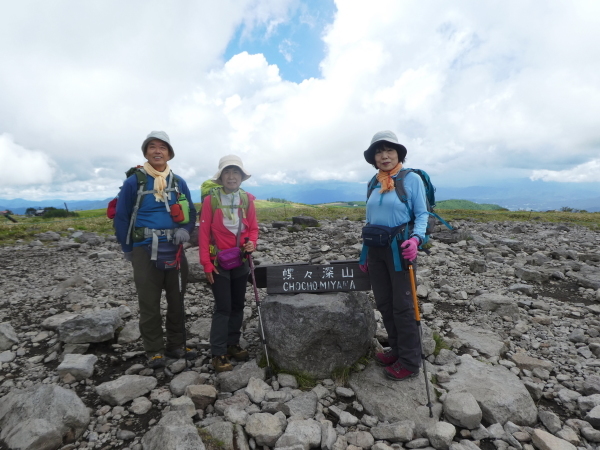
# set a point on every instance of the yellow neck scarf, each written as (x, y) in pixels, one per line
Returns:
(160, 180)
(386, 180)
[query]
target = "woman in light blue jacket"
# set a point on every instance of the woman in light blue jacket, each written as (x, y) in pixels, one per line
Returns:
(407, 221)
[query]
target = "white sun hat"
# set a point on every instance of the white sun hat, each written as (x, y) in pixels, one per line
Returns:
(228, 161)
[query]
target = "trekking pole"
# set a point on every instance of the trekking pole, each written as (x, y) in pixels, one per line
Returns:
(413, 288)
(256, 299)
(181, 295)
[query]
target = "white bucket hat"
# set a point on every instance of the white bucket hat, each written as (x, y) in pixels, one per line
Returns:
(161, 136)
(231, 160)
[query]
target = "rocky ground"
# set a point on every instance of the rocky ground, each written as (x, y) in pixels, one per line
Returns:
(518, 305)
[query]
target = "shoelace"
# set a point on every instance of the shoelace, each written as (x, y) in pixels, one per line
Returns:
(156, 357)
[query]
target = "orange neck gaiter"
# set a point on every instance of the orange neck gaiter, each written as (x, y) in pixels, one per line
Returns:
(386, 180)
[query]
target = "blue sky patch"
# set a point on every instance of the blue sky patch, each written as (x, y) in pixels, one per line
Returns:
(294, 45)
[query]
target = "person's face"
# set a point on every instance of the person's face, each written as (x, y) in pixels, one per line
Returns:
(231, 179)
(157, 154)
(386, 158)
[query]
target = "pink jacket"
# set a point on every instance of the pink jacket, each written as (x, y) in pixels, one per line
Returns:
(211, 225)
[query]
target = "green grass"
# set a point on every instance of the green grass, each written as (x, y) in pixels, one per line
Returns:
(439, 344)
(467, 205)
(305, 381)
(209, 441)
(96, 220)
(341, 375)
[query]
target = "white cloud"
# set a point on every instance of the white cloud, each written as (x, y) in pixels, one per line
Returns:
(583, 173)
(473, 89)
(24, 167)
(278, 177)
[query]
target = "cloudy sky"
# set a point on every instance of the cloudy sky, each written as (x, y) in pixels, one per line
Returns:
(477, 91)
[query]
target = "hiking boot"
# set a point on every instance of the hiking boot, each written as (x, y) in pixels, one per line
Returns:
(237, 352)
(398, 372)
(179, 353)
(385, 358)
(156, 361)
(221, 363)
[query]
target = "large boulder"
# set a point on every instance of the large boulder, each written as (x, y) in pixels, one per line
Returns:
(392, 401)
(317, 333)
(96, 326)
(42, 417)
(175, 431)
(500, 394)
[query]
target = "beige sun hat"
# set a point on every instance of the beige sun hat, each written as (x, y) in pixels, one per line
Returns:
(231, 160)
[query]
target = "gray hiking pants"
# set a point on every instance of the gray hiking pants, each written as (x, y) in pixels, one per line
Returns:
(393, 299)
(229, 290)
(149, 282)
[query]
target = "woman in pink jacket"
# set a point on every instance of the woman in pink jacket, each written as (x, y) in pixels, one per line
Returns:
(227, 222)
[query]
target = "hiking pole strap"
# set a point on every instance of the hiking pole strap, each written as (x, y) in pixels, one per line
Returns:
(396, 254)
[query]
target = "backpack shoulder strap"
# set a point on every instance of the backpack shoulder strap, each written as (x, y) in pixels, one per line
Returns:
(399, 183)
(244, 202)
(142, 178)
(371, 186)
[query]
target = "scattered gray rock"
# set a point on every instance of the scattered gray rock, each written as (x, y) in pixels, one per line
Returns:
(175, 431)
(42, 417)
(240, 376)
(8, 337)
(78, 366)
(182, 380)
(265, 428)
(462, 410)
(125, 388)
(96, 326)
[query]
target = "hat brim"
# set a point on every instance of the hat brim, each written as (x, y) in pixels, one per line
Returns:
(147, 141)
(217, 176)
(370, 152)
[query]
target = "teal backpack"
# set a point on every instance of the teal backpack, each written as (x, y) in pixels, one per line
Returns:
(429, 196)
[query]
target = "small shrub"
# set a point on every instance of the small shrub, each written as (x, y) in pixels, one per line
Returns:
(55, 212)
(439, 343)
(209, 441)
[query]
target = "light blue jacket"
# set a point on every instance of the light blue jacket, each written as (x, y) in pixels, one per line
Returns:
(387, 209)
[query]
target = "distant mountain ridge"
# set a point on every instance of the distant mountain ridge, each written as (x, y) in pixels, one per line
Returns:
(514, 194)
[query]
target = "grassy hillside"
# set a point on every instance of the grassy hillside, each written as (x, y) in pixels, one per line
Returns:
(466, 204)
(96, 220)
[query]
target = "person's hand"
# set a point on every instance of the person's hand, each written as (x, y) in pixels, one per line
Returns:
(181, 236)
(410, 248)
(128, 256)
(210, 277)
(364, 267)
(249, 247)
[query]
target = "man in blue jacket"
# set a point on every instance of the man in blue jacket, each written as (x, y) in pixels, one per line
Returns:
(150, 238)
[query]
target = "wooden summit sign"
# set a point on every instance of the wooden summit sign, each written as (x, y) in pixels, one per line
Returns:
(295, 279)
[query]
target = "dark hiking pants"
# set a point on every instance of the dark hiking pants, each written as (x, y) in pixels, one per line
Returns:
(149, 282)
(394, 301)
(229, 290)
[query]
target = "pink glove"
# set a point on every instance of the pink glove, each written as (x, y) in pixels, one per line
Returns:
(410, 247)
(364, 267)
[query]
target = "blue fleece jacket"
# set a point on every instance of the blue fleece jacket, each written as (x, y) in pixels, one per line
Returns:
(387, 209)
(152, 214)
